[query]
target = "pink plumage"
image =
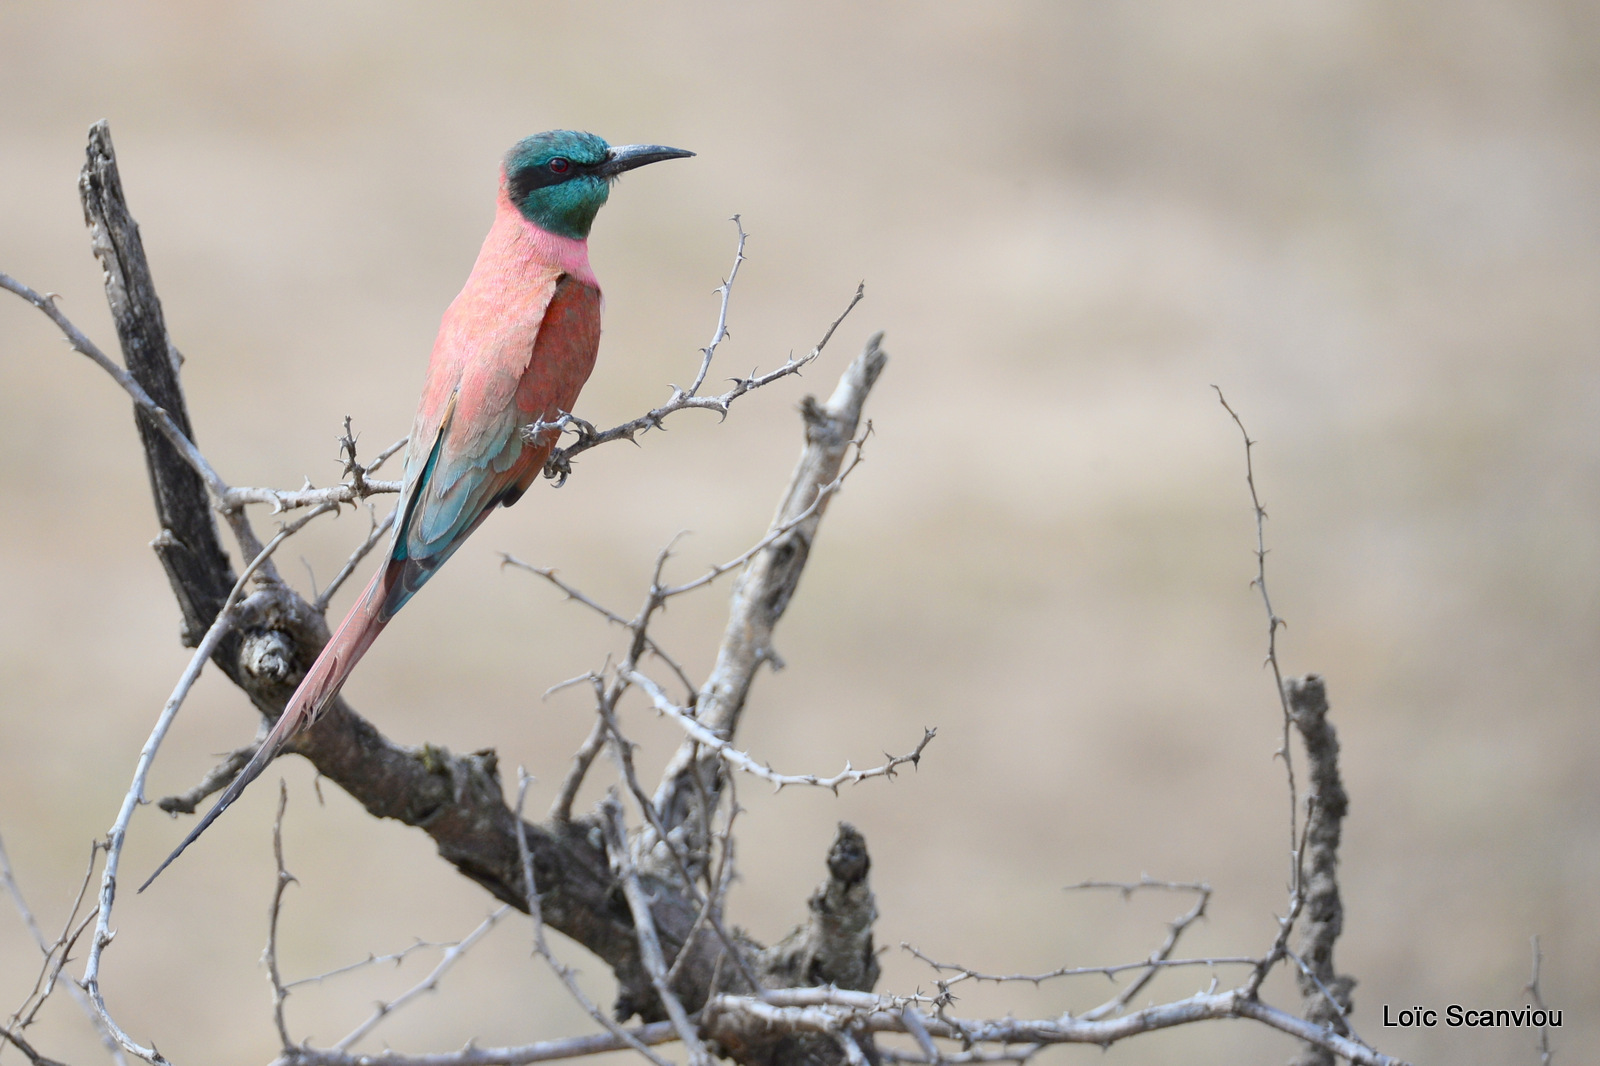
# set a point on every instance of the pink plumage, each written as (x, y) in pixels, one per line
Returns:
(515, 347)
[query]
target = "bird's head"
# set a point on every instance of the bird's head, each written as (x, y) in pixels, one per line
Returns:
(559, 179)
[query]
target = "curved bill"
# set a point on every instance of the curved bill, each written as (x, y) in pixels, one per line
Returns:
(627, 156)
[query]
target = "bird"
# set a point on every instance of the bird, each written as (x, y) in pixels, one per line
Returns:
(514, 348)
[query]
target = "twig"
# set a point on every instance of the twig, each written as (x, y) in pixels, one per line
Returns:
(1129, 888)
(1296, 874)
(828, 1010)
(396, 957)
(542, 946)
(216, 779)
(1160, 957)
(645, 929)
(270, 956)
(236, 499)
(965, 973)
(578, 596)
(741, 761)
(559, 465)
(429, 983)
(320, 604)
(231, 611)
(725, 290)
(561, 809)
(641, 1036)
(57, 954)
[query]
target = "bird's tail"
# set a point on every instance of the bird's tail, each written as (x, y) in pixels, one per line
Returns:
(316, 692)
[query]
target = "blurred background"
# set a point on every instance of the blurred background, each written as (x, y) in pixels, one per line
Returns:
(1374, 225)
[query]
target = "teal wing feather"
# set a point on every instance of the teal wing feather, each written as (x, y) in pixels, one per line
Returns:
(477, 457)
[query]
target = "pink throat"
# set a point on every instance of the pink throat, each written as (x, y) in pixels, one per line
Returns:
(568, 254)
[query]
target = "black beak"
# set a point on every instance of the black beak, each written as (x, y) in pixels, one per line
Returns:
(627, 156)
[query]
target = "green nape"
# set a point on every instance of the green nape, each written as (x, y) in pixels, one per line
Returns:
(556, 181)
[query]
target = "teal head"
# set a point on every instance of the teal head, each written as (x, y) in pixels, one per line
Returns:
(559, 179)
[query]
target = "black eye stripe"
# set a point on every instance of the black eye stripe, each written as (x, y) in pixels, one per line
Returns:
(526, 179)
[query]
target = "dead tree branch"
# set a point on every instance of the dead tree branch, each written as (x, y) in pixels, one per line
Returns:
(763, 590)
(266, 643)
(1326, 993)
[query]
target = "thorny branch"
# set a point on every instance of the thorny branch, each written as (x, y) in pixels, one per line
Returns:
(280, 992)
(762, 593)
(542, 945)
(232, 610)
(740, 761)
(1158, 960)
(572, 870)
(559, 465)
(655, 962)
(829, 1010)
(1274, 623)
(430, 983)
(56, 956)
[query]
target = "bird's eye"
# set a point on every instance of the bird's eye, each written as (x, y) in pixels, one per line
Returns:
(558, 165)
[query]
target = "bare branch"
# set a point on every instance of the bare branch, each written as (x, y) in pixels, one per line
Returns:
(699, 734)
(966, 973)
(227, 618)
(655, 963)
(578, 596)
(725, 290)
(1129, 888)
(270, 956)
(1285, 751)
(642, 1036)
(396, 957)
(559, 464)
(729, 1019)
(561, 970)
(320, 604)
(1325, 992)
(430, 983)
(292, 499)
(216, 779)
(763, 590)
(56, 954)
(561, 809)
(189, 550)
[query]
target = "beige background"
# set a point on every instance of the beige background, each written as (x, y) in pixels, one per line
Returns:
(1374, 225)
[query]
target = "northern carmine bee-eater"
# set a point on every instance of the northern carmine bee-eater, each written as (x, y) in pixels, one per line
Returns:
(514, 348)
